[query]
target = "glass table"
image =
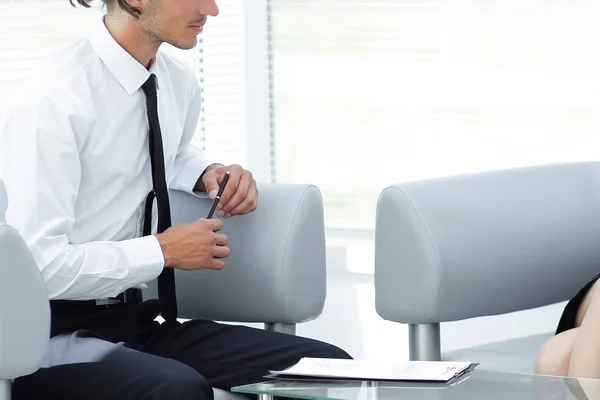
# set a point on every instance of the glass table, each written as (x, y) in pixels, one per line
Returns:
(478, 384)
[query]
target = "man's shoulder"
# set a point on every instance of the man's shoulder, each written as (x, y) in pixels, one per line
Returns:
(58, 78)
(67, 65)
(62, 71)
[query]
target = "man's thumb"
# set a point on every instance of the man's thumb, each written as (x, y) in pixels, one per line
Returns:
(212, 186)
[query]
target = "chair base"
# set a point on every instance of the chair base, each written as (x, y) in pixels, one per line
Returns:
(424, 342)
(5, 390)
(282, 328)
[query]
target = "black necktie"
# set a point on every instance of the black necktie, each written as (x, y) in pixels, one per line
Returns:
(166, 279)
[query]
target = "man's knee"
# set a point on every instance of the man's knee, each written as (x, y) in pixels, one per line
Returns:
(185, 383)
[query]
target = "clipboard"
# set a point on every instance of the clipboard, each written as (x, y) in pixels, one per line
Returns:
(336, 370)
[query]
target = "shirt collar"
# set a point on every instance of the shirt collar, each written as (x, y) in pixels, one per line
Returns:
(128, 71)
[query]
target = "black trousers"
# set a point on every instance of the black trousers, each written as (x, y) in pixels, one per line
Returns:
(182, 361)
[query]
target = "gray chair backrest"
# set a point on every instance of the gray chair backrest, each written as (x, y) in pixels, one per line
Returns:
(24, 305)
(24, 308)
(486, 243)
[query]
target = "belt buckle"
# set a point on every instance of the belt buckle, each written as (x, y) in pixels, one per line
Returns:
(133, 295)
(107, 301)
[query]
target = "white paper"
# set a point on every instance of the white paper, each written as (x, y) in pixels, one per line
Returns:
(353, 369)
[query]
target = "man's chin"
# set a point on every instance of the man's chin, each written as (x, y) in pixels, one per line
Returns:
(184, 44)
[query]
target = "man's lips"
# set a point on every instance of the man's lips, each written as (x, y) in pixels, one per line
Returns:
(199, 26)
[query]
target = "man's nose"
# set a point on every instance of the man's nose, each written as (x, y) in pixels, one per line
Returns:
(208, 7)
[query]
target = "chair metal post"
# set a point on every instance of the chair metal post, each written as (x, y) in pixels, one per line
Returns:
(424, 342)
(4, 389)
(290, 329)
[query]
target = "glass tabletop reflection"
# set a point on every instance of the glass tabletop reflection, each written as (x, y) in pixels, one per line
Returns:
(477, 384)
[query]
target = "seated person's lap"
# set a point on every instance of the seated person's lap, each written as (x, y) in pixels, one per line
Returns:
(122, 373)
(175, 362)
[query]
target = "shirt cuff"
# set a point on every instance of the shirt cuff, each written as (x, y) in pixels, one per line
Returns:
(190, 173)
(145, 259)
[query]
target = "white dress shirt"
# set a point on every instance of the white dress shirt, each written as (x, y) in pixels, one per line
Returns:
(75, 162)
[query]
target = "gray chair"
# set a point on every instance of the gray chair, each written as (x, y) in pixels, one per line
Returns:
(275, 274)
(24, 311)
(485, 244)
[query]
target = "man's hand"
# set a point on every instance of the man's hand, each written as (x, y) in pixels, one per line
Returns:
(194, 245)
(240, 195)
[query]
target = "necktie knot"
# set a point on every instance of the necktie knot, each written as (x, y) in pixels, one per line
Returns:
(149, 87)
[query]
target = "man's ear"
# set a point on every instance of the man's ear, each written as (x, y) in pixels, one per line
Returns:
(138, 5)
(135, 3)
(131, 7)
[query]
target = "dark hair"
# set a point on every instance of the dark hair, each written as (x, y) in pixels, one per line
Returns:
(110, 4)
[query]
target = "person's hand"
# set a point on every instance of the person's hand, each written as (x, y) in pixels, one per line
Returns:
(240, 195)
(194, 245)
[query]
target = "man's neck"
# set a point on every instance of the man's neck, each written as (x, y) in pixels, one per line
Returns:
(126, 31)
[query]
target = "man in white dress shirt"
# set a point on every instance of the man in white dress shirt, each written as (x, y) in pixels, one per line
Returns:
(78, 174)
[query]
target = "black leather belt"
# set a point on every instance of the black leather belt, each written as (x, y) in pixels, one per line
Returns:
(130, 296)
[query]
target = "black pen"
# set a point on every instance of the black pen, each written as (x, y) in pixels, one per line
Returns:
(219, 194)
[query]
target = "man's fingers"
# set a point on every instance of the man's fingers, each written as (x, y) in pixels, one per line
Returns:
(235, 174)
(217, 225)
(217, 264)
(222, 240)
(240, 195)
(214, 224)
(222, 252)
(211, 184)
(249, 204)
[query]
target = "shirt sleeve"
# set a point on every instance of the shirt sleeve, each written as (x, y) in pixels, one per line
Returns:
(39, 158)
(190, 161)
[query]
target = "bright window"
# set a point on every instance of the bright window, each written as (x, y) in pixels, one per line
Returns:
(374, 92)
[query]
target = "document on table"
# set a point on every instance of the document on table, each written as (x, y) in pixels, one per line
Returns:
(334, 369)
